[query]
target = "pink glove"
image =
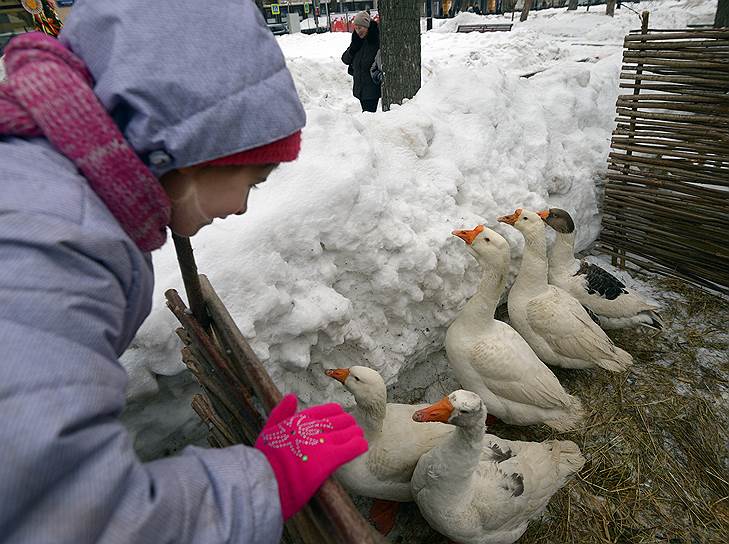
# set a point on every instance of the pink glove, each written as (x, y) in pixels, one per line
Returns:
(305, 448)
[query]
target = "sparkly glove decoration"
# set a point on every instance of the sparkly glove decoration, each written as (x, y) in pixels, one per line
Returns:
(305, 448)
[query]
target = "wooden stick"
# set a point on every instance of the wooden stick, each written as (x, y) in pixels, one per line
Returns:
(715, 83)
(674, 55)
(687, 170)
(715, 196)
(671, 151)
(683, 64)
(676, 89)
(698, 45)
(683, 130)
(687, 107)
(331, 498)
(675, 200)
(188, 268)
(687, 68)
(659, 35)
(673, 98)
(721, 123)
(669, 142)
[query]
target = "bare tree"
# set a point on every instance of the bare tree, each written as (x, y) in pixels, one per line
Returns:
(610, 8)
(400, 50)
(525, 10)
(722, 14)
(572, 5)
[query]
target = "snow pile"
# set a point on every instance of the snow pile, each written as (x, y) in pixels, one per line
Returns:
(345, 257)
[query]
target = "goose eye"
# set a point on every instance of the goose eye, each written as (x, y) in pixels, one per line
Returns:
(487, 239)
(356, 378)
(526, 218)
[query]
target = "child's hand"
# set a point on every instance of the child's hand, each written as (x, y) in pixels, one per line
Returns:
(305, 448)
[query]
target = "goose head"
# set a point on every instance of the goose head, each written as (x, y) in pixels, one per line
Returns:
(559, 220)
(486, 245)
(525, 221)
(461, 408)
(365, 384)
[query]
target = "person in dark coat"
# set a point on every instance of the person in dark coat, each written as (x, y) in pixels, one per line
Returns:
(360, 56)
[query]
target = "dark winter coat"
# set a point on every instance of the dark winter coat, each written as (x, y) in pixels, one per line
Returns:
(360, 55)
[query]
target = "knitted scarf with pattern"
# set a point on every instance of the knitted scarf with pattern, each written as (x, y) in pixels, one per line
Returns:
(48, 93)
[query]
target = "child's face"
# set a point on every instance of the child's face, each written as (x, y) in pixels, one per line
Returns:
(200, 194)
(361, 31)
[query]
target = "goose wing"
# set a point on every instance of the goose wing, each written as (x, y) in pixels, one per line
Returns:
(600, 282)
(514, 372)
(565, 325)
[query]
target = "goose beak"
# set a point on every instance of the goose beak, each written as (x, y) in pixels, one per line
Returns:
(468, 236)
(339, 374)
(510, 219)
(440, 411)
(544, 214)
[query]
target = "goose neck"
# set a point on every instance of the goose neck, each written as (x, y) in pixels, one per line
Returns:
(371, 415)
(563, 251)
(462, 452)
(482, 305)
(533, 271)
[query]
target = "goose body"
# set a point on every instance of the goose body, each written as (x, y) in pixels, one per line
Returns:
(552, 321)
(491, 359)
(479, 489)
(395, 441)
(614, 305)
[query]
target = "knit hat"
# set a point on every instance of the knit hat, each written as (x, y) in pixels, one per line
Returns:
(362, 19)
(283, 150)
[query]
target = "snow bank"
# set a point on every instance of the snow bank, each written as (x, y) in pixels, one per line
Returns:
(345, 256)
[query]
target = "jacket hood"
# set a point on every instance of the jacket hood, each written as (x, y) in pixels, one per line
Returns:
(186, 81)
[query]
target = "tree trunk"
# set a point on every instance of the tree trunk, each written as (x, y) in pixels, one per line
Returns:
(610, 8)
(572, 5)
(525, 10)
(400, 50)
(722, 14)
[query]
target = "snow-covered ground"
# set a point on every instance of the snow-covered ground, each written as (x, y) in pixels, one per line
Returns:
(345, 256)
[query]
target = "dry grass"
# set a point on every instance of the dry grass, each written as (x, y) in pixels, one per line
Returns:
(656, 438)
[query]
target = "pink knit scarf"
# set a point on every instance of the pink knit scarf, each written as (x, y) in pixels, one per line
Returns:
(49, 93)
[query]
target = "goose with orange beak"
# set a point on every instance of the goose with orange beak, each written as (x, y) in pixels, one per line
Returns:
(396, 443)
(553, 322)
(614, 305)
(492, 359)
(476, 488)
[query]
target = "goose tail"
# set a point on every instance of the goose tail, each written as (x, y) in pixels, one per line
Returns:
(571, 419)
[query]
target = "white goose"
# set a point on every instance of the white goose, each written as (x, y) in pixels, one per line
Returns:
(491, 359)
(479, 489)
(396, 442)
(555, 324)
(613, 304)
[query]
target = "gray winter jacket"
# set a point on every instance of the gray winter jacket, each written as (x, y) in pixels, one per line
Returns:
(196, 80)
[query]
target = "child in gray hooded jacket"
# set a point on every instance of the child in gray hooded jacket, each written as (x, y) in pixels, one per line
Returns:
(142, 116)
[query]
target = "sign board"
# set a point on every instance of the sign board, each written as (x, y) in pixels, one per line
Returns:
(306, 8)
(275, 10)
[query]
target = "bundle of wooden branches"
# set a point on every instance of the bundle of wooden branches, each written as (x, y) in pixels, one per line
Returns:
(237, 395)
(665, 205)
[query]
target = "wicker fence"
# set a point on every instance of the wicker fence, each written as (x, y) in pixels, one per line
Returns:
(666, 204)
